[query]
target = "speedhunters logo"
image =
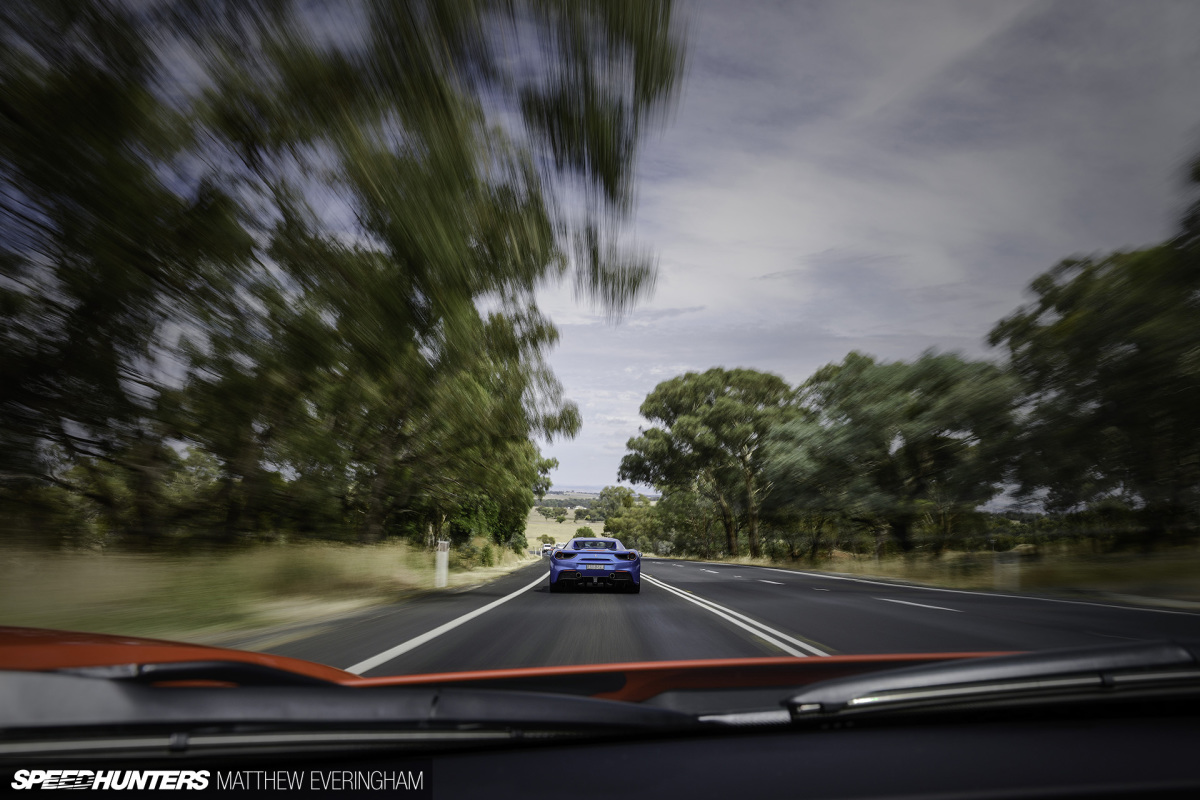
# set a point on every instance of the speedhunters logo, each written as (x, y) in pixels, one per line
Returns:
(155, 779)
(409, 778)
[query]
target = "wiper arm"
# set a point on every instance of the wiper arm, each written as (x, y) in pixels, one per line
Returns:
(1046, 673)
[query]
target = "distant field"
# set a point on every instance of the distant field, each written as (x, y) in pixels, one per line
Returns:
(536, 525)
(570, 495)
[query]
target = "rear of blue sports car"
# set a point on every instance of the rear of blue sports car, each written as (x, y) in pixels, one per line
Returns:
(595, 563)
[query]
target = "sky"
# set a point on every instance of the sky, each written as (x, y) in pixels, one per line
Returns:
(884, 177)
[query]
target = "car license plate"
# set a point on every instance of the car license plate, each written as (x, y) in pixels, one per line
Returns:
(595, 566)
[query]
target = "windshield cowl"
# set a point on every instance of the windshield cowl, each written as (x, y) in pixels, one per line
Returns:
(1055, 672)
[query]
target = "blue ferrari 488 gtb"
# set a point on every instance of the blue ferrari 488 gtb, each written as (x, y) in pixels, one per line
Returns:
(595, 562)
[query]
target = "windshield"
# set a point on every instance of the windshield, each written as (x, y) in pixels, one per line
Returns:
(827, 329)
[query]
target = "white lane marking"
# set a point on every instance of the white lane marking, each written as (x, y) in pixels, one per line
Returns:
(777, 583)
(815, 589)
(417, 641)
(919, 605)
(713, 571)
(760, 630)
(737, 576)
(976, 594)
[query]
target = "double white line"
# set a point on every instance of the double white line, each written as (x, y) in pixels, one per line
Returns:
(787, 644)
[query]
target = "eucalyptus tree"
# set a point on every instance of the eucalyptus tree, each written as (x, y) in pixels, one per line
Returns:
(888, 442)
(713, 433)
(333, 206)
(105, 250)
(1109, 356)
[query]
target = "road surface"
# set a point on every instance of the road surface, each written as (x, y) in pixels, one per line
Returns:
(699, 610)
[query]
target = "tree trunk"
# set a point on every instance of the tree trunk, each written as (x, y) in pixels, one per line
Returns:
(752, 503)
(752, 529)
(147, 464)
(899, 527)
(731, 542)
(233, 509)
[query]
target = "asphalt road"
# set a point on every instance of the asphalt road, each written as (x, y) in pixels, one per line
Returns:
(696, 610)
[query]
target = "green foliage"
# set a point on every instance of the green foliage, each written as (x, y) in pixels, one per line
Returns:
(1109, 356)
(712, 440)
(888, 443)
(582, 531)
(612, 500)
(276, 262)
(637, 526)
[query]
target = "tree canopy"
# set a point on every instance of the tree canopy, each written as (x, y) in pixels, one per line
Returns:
(893, 441)
(712, 439)
(287, 253)
(1109, 353)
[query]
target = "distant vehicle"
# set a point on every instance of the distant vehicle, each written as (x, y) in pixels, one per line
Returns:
(595, 562)
(547, 549)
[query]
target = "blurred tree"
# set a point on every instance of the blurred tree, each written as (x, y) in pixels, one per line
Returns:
(1109, 353)
(885, 441)
(714, 428)
(106, 253)
(308, 243)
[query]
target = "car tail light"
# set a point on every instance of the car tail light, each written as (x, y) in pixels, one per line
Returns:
(563, 554)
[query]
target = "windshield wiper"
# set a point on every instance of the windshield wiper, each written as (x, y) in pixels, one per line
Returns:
(1048, 674)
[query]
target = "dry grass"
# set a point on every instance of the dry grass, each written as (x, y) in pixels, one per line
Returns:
(197, 596)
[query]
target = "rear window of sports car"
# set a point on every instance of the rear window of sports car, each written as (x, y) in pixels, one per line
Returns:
(595, 544)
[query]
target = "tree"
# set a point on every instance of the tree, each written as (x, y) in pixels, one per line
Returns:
(101, 247)
(611, 501)
(712, 439)
(637, 525)
(688, 519)
(892, 441)
(282, 258)
(1108, 356)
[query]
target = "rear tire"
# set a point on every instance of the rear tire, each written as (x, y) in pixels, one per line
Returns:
(635, 588)
(556, 588)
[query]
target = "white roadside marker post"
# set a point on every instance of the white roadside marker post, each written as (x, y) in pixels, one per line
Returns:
(441, 565)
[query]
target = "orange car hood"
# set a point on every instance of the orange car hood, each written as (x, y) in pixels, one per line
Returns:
(38, 649)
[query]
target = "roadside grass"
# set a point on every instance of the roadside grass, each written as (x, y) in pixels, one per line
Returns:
(1170, 575)
(200, 596)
